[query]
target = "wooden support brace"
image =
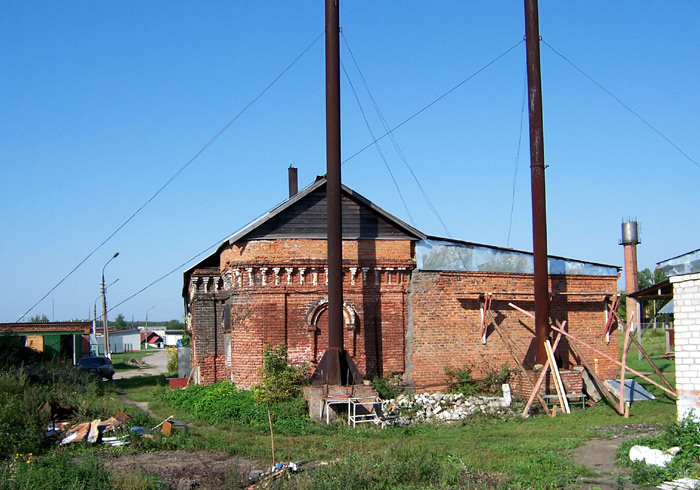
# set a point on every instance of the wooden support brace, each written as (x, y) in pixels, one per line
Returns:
(523, 371)
(605, 391)
(527, 313)
(561, 393)
(603, 354)
(485, 301)
(610, 316)
(542, 375)
(625, 346)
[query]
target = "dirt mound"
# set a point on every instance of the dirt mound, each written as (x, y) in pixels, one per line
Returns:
(181, 470)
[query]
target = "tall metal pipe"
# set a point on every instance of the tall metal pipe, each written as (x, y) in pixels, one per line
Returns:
(539, 207)
(333, 189)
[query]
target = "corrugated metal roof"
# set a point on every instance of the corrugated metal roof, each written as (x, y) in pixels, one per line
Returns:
(688, 263)
(439, 254)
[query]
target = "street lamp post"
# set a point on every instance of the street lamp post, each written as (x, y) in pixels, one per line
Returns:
(108, 354)
(146, 328)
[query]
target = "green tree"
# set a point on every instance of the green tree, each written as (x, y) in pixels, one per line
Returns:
(650, 307)
(175, 325)
(647, 277)
(38, 319)
(119, 322)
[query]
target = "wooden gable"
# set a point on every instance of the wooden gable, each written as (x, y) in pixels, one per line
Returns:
(307, 218)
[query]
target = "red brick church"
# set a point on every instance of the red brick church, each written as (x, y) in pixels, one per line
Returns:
(413, 304)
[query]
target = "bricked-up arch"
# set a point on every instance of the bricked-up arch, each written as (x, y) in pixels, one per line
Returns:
(350, 320)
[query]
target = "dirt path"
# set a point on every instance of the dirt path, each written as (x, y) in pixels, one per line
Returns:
(599, 455)
(158, 362)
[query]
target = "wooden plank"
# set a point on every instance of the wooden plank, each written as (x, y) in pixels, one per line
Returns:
(523, 371)
(605, 391)
(646, 356)
(541, 378)
(625, 346)
(603, 354)
(557, 378)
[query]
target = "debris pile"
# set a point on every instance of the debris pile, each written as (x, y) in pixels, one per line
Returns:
(92, 431)
(409, 409)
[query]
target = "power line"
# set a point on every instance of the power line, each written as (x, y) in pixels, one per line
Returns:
(176, 174)
(169, 273)
(379, 149)
(517, 158)
(435, 101)
(619, 101)
(398, 149)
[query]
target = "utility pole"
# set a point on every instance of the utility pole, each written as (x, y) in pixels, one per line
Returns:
(104, 309)
(537, 167)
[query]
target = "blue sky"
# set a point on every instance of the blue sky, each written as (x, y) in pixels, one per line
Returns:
(103, 102)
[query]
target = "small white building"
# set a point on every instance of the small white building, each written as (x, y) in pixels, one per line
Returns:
(119, 341)
(684, 274)
(173, 338)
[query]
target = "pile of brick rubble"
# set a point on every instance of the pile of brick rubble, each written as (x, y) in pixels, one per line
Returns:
(438, 407)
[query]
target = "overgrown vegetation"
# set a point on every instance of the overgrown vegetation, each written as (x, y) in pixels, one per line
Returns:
(400, 467)
(171, 352)
(281, 382)
(476, 453)
(279, 392)
(460, 380)
(684, 434)
(388, 387)
(62, 471)
(223, 403)
(28, 382)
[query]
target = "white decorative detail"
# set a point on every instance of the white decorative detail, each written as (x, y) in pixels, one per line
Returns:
(228, 280)
(326, 274)
(206, 284)
(389, 270)
(251, 277)
(237, 273)
(276, 270)
(401, 274)
(377, 270)
(263, 274)
(216, 284)
(364, 275)
(353, 273)
(314, 276)
(289, 275)
(302, 270)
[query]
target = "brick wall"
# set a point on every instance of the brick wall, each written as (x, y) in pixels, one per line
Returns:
(686, 314)
(398, 320)
(276, 293)
(445, 322)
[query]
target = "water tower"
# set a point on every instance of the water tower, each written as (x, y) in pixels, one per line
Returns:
(630, 240)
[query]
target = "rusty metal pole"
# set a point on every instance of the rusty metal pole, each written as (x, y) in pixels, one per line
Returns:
(335, 239)
(539, 207)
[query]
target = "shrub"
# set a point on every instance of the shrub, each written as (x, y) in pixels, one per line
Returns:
(460, 380)
(281, 382)
(172, 359)
(388, 387)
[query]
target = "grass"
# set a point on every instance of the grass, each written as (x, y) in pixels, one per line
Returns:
(512, 453)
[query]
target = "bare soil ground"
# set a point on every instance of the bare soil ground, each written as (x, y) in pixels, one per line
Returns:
(599, 456)
(180, 470)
